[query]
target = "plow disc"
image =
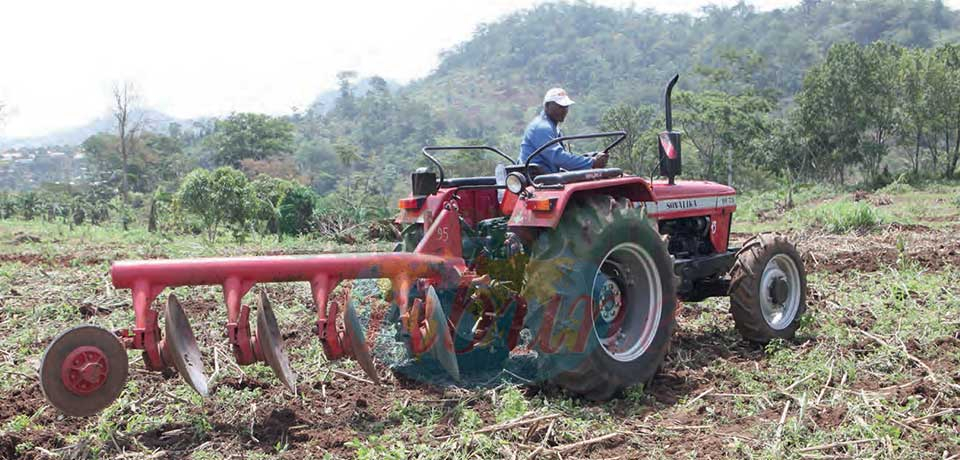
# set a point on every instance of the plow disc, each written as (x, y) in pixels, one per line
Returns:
(83, 370)
(269, 344)
(180, 347)
(356, 341)
(437, 334)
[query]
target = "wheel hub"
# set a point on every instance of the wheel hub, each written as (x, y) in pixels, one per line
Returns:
(611, 300)
(779, 290)
(629, 299)
(85, 370)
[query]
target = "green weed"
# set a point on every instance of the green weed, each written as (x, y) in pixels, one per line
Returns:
(511, 404)
(897, 188)
(378, 448)
(19, 422)
(844, 217)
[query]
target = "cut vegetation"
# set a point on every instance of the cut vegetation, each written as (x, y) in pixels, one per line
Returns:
(874, 371)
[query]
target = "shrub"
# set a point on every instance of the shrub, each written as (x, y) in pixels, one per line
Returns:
(285, 207)
(223, 196)
(897, 188)
(846, 216)
(296, 210)
(8, 205)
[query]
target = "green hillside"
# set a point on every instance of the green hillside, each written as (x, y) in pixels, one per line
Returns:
(604, 56)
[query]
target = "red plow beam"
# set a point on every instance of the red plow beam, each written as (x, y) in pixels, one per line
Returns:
(238, 275)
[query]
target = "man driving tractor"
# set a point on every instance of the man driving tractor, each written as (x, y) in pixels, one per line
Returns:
(545, 127)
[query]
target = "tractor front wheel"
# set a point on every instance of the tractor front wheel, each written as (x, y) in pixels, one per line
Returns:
(601, 298)
(768, 289)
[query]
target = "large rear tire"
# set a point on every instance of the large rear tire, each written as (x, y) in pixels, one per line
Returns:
(768, 289)
(601, 298)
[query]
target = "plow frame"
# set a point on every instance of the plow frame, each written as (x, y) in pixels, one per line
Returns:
(437, 260)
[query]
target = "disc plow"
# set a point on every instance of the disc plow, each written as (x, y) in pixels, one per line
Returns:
(84, 369)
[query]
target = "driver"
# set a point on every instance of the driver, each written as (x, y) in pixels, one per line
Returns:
(544, 128)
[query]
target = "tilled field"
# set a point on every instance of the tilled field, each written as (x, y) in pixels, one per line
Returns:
(874, 372)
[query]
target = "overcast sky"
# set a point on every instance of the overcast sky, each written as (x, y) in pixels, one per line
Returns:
(59, 59)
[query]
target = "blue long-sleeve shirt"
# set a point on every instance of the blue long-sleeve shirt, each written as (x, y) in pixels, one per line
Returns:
(540, 131)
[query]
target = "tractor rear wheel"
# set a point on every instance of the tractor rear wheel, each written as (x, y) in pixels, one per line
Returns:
(601, 298)
(768, 289)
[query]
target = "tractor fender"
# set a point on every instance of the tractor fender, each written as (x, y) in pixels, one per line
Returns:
(428, 210)
(531, 211)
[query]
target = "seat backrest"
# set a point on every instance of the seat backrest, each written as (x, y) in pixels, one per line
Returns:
(536, 169)
(577, 176)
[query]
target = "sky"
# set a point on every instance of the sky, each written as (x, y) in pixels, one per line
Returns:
(60, 59)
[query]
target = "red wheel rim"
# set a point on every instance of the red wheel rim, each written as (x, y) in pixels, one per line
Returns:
(85, 370)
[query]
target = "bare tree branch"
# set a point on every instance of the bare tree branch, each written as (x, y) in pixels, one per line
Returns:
(129, 124)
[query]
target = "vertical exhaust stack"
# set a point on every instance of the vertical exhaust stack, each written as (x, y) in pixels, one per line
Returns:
(669, 140)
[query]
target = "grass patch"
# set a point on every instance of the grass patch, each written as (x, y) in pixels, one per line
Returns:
(843, 217)
(897, 188)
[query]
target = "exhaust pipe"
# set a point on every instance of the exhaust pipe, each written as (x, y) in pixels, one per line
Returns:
(666, 101)
(669, 140)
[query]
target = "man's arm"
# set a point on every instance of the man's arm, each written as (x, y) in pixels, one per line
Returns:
(557, 156)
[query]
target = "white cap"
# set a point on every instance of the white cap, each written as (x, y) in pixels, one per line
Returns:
(559, 96)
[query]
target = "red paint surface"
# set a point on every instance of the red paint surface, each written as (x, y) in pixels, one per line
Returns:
(85, 370)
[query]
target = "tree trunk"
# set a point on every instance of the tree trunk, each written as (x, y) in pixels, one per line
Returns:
(789, 174)
(934, 153)
(956, 152)
(123, 156)
(916, 155)
(730, 168)
(152, 223)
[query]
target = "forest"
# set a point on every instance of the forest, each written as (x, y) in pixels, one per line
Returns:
(852, 93)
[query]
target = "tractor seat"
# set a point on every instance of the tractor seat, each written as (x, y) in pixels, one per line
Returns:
(468, 181)
(578, 176)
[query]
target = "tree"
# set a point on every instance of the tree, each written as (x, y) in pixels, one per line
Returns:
(129, 122)
(878, 86)
(945, 85)
(721, 125)
(250, 136)
(346, 104)
(638, 152)
(223, 196)
(832, 111)
(913, 93)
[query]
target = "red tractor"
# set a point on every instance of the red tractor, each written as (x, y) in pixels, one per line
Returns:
(594, 264)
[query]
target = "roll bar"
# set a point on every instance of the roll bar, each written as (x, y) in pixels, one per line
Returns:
(435, 148)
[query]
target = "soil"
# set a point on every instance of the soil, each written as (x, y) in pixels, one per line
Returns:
(929, 248)
(324, 418)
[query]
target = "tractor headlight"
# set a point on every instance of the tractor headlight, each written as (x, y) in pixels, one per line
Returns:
(515, 182)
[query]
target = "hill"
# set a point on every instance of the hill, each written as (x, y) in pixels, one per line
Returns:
(603, 56)
(153, 120)
(486, 89)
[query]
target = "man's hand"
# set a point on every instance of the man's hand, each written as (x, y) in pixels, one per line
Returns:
(600, 160)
